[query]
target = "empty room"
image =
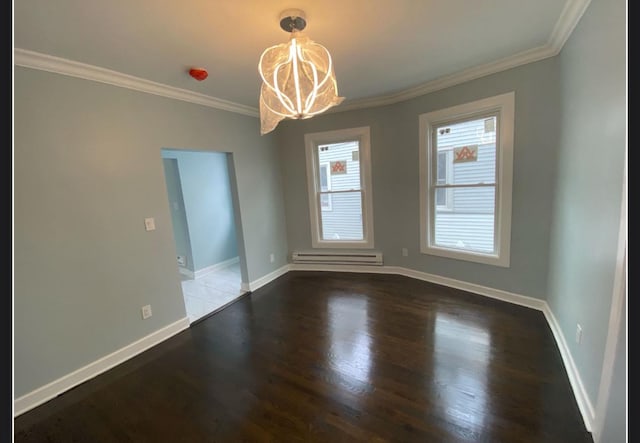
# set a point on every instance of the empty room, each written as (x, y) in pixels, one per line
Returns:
(323, 221)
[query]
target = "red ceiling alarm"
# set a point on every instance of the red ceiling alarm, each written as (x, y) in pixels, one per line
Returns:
(198, 73)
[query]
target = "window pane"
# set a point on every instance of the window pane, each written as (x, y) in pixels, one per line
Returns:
(441, 197)
(325, 202)
(324, 179)
(344, 221)
(443, 176)
(343, 160)
(469, 223)
(472, 147)
(442, 168)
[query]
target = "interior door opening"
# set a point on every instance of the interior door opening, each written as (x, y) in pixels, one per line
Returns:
(203, 204)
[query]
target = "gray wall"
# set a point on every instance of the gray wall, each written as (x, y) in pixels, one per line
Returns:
(87, 171)
(395, 175)
(178, 213)
(208, 206)
(589, 183)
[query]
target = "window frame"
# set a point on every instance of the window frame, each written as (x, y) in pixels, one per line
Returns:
(504, 106)
(312, 141)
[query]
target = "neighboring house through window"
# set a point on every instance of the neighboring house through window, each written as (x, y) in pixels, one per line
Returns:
(466, 156)
(339, 185)
(325, 185)
(444, 196)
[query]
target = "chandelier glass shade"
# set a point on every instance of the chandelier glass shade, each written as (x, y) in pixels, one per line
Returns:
(297, 78)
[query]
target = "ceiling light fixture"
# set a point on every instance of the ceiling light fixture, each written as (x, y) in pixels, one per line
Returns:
(297, 77)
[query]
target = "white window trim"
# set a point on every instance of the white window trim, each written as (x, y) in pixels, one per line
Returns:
(312, 140)
(505, 105)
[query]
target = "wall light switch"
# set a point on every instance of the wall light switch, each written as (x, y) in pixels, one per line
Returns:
(149, 224)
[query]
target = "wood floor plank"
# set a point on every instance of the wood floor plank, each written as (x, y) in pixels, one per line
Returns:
(333, 357)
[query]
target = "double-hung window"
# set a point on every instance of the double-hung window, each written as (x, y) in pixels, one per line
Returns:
(339, 186)
(466, 158)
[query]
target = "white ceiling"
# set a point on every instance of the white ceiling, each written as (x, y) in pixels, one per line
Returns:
(383, 50)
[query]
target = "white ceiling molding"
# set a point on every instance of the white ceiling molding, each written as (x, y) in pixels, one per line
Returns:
(569, 18)
(44, 62)
(446, 81)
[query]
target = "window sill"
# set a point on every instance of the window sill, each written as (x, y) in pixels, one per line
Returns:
(476, 257)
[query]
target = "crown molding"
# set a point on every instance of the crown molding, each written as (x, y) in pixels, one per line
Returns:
(446, 81)
(569, 18)
(44, 62)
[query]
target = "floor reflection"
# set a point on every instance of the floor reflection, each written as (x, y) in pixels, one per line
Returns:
(461, 359)
(350, 340)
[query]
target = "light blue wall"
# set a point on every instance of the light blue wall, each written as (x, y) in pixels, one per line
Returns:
(178, 213)
(395, 175)
(87, 172)
(588, 188)
(208, 206)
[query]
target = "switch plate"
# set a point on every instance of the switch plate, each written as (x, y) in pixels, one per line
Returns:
(405, 252)
(149, 224)
(271, 258)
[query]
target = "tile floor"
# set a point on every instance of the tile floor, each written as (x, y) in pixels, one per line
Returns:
(210, 292)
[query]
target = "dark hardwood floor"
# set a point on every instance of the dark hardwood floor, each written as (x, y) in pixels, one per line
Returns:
(333, 357)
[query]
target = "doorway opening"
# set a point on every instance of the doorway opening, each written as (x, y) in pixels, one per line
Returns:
(204, 215)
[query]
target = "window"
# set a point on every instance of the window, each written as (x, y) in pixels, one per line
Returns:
(466, 160)
(339, 184)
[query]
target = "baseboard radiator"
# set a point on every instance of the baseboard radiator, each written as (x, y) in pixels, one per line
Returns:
(338, 258)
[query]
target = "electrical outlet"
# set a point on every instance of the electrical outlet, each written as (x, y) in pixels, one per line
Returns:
(578, 333)
(405, 252)
(271, 258)
(149, 224)
(182, 260)
(146, 312)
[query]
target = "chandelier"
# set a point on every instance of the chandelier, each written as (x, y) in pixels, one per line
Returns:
(297, 77)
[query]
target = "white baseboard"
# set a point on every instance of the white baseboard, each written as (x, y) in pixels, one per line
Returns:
(49, 391)
(57, 387)
(187, 272)
(223, 264)
(584, 404)
(252, 286)
(499, 294)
